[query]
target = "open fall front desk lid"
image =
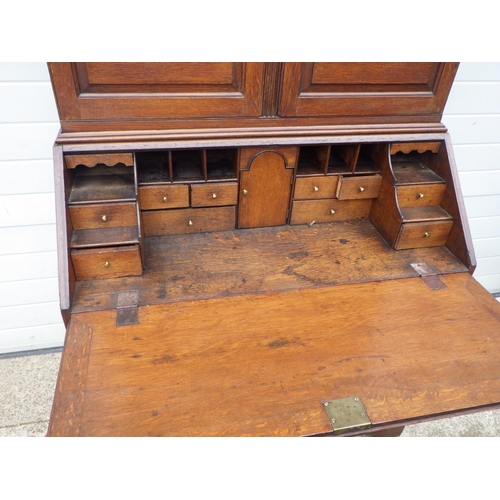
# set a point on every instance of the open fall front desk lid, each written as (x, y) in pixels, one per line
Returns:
(264, 365)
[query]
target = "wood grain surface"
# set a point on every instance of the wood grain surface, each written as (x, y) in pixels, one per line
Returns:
(194, 266)
(260, 365)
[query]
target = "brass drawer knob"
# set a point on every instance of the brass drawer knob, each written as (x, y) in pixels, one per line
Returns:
(164, 198)
(316, 188)
(332, 211)
(106, 264)
(420, 195)
(427, 235)
(104, 218)
(190, 223)
(214, 195)
(361, 189)
(245, 191)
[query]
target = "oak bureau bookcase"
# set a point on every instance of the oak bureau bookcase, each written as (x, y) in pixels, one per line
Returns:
(264, 249)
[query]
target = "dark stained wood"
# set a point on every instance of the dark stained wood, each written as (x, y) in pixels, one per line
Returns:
(421, 147)
(279, 355)
(311, 211)
(263, 260)
(423, 234)
(420, 214)
(392, 432)
(459, 240)
(358, 187)
(265, 190)
(314, 188)
(368, 89)
(67, 408)
(66, 274)
(245, 331)
(105, 263)
(127, 92)
(162, 196)
(188, 220)
(86, 238)
(103, 215)
(214, 194)
(425, 195)
(110, 160)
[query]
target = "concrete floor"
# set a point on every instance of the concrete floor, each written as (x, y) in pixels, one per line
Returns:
(27, 385)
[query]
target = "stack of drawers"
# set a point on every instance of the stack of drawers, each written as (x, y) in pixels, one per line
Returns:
(338, 193)
(419, 193)
(104, 214)
(187, 200)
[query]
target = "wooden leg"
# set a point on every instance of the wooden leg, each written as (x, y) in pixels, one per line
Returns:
(393, 432)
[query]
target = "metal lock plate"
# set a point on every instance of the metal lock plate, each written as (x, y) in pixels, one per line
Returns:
(347, 415)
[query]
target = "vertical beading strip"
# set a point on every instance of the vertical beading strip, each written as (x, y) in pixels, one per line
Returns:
(273, 74)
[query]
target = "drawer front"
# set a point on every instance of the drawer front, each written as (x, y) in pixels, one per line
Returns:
(359, 187)
(423, 195)
(423, 234)
(102, 215)
(305, 212)
(188, 220)
(101, 263)
(214, 194)
(313, 188)
(163, 196)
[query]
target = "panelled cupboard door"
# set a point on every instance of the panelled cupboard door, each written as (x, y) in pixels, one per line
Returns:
(397, 91)
(147, 91)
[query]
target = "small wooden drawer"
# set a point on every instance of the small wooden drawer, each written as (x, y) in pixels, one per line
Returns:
(423, 234)
(214, 194)
(159, 197)
(100, 263)
(305, 212)
(101, 215)
(358, 187)
(188, 220)
(313, 188)
(423, 195)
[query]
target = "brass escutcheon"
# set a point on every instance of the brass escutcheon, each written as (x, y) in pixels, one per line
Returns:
(427, 235)
(106, 264)
(104, 218)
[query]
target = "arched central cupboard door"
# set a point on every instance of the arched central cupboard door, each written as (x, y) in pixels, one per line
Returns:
(266, 177)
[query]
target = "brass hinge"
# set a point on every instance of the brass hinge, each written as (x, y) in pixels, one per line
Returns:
(429, 275)
(126, 308)
(347, 415)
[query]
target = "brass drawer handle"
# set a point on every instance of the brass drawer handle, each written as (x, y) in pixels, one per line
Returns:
(316, 188)
(214, 195)
(420, 195)
(245, 191)
(427, 235)
(165, 199)
(361, 189)
(190, 223)
(332, 211)
(106, 264)
(104, 218)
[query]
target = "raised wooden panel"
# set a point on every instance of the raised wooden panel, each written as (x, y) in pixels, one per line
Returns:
(265, 190)
(147, 91)
(415, 91)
